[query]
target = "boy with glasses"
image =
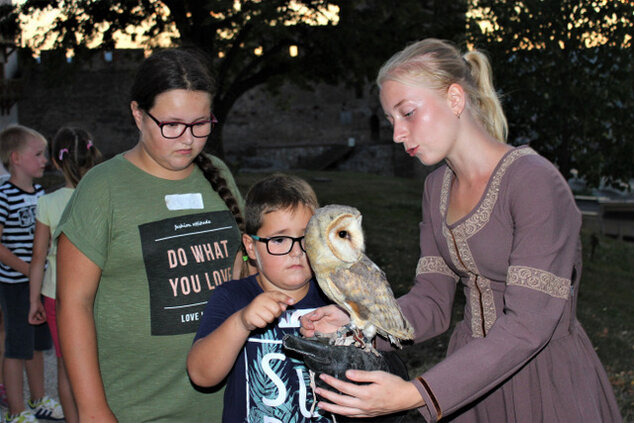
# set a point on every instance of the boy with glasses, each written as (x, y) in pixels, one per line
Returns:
(241, 331)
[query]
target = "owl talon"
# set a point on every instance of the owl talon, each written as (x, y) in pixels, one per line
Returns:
(340, 337)
(332, 336)
(344, 330)
(369, 348)
(343, 341)
(364, 343)
(359, 338)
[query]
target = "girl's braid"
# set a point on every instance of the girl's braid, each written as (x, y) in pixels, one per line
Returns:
(219, 184)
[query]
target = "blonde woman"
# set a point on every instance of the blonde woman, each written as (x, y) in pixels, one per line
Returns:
(502, 223)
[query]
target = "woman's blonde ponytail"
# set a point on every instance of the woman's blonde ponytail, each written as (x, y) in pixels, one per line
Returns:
(489, 108)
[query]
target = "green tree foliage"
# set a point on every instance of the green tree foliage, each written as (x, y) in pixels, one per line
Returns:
(347, 48)
(565, 69)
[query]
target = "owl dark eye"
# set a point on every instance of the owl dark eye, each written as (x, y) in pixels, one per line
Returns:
(343, 234)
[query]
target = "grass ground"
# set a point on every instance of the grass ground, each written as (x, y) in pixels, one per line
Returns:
(391, 209)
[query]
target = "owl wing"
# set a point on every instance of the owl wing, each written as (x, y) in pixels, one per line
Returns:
(369, 298)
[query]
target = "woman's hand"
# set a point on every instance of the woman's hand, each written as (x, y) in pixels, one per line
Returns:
(384, 394)
(324, 320)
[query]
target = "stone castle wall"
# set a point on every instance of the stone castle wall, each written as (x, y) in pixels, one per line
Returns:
(94, 96)
(264, 130)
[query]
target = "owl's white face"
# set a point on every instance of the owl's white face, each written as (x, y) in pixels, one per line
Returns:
(345, 237)
(334, 237)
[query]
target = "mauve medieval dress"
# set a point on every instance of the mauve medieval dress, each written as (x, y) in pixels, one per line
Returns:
(519, 355)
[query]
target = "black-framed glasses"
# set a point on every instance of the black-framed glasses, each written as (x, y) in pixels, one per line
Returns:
(172, 130)
(280, 245)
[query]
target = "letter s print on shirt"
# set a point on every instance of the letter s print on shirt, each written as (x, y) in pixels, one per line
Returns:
(277, 385)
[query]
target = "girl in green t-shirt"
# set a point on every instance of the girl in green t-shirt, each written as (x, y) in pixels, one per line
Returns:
(124, 344)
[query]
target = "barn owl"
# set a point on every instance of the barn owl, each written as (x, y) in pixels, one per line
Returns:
(335, 246)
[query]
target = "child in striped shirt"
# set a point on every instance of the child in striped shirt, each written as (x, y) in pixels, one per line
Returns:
(23, 153)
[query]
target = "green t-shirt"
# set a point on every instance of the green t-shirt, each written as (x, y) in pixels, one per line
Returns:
(163, 246)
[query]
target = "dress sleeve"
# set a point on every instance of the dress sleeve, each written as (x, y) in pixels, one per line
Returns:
(428, 304)
(546, 225)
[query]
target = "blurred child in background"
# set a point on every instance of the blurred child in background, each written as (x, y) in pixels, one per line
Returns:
(73, 153)
(23, 153)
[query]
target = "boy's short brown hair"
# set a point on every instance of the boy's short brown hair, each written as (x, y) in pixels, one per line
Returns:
(276, 192)
(12, 139)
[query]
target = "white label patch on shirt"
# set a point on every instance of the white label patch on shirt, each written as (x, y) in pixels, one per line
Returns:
(184, 201)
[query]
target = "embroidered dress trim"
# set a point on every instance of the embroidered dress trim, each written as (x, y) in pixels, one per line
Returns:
(435, 264)
(539, 280)
(481, 216)
(482, 303)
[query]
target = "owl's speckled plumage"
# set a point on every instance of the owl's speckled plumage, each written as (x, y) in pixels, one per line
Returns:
(335, 246)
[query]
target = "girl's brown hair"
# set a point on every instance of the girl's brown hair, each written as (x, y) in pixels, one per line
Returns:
(75, 153)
